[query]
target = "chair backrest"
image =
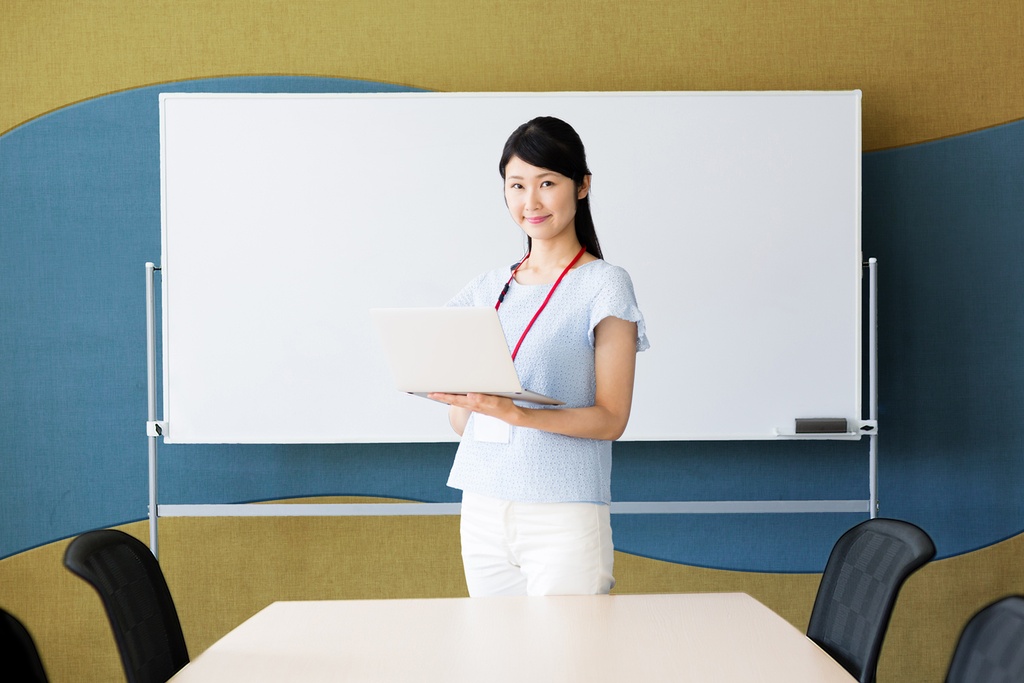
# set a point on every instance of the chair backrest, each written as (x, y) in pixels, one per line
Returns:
(19, 658)
(137, 601)
(991, 646)
(858, 590)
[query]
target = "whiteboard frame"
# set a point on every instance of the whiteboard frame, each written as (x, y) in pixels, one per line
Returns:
(413, 410)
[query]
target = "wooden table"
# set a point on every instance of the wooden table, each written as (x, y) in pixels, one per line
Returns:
(709, 637)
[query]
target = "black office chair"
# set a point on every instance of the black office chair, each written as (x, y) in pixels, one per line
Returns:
(858, 590)
(991, 646)
(138, 603)
(19, 658)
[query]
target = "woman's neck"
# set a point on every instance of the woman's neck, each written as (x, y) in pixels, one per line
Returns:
(547, 261)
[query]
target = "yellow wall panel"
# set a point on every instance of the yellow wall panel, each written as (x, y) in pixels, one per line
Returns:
(221, 570)
(928, 68)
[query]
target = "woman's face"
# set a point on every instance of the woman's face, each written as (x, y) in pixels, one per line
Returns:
(542, 201)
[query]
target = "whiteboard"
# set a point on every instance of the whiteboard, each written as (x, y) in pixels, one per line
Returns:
(285, 218)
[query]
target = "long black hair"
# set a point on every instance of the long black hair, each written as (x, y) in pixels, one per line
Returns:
(553, 144)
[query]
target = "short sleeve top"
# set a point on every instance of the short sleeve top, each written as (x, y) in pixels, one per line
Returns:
(556, 359)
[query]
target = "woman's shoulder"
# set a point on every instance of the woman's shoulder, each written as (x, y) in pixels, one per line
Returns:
(601, 272)
(485, 284)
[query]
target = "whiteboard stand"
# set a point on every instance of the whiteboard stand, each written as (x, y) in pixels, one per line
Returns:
(155, 427)
(872, 426)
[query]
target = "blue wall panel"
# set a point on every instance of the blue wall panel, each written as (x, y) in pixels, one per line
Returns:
(80, 216)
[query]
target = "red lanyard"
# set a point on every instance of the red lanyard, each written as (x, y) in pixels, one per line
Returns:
(504, 291)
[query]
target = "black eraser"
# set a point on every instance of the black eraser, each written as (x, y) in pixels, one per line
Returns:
(821, 425)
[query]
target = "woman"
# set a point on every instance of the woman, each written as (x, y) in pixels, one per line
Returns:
(536, 481)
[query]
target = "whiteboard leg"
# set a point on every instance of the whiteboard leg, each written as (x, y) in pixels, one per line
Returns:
(152, 497)
(873, 383)
(151, 413)
(873, 475)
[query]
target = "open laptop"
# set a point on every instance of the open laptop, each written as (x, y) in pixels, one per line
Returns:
(454, 350)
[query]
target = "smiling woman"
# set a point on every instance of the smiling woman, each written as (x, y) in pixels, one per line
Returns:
(546, 473)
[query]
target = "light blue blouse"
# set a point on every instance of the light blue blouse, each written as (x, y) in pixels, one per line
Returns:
(556, 359)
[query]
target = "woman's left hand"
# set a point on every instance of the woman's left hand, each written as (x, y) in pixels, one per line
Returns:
(494, 406)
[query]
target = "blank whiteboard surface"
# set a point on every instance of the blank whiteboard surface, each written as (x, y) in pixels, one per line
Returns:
(287, 217)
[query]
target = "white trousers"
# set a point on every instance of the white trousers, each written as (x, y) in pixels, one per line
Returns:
(535, 548)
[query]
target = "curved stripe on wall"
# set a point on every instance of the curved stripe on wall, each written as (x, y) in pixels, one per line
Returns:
(79, 217)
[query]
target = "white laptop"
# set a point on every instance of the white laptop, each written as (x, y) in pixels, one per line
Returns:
(454, 350)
